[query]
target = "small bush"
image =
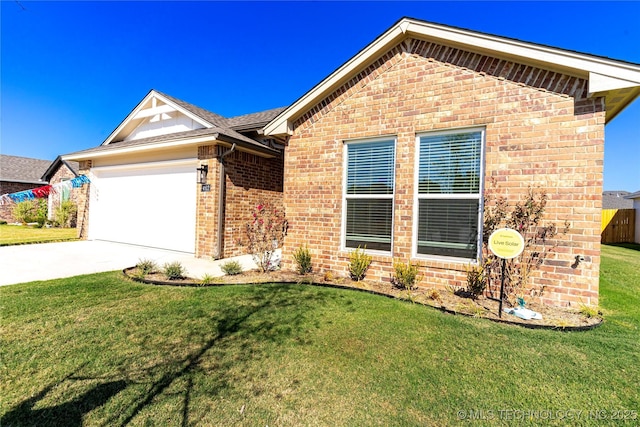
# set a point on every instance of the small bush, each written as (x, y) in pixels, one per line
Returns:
(174, 271)
(147, 266)
(31, 211)
(589, 312)
(476, 280)
(328, 276)
(405, 275)
(206, 280)
(359, 263)
(265, 234)
(65, 214)
(3, 222)
(302, 258)
(231, 268)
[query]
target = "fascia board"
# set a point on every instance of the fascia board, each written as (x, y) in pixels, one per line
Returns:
(574, 63)
(152, 146)
(547, 57)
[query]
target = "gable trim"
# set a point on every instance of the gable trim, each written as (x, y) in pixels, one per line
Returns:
(139, 112)
(553, 59)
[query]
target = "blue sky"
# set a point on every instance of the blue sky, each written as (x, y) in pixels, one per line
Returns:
(71, 71)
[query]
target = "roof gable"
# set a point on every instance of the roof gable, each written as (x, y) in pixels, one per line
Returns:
(158, 114)
(617, 81)
(74, 167)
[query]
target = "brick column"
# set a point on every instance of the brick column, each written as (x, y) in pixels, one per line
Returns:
(207, 204)
(83, 196)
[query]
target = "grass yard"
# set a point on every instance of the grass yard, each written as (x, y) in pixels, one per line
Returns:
(19, 234)
(98, 350)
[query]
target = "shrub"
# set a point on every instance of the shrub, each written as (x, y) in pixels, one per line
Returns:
(65, 214)
(476, 280)
(433, 294)
(174, 271)
(147, 266)
(359, 262)
(206, 280)
(526, 216)
(589, 312)
(3, 222)
(264, 234)
(231, 268)
(31, 211)
(405, 275)
(302, 258)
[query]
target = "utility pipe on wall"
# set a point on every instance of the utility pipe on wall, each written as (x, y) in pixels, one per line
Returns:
(221, 196)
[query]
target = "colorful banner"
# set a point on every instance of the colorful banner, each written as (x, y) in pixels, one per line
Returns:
(44, 191)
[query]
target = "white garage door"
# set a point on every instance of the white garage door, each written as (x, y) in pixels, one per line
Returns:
(147, 204)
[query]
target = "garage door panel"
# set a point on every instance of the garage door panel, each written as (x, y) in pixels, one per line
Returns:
(148, 205)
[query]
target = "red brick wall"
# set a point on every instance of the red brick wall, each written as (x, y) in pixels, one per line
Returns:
(541, 130)
(249, 180)
(82, 194)
(7, 187)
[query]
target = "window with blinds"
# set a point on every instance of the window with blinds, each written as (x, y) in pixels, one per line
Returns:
(369, 194)
(449, 191)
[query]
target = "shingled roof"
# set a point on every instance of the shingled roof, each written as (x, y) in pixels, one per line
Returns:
(616, 200)
(22, 169)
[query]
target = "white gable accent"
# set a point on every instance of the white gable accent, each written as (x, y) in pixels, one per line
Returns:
(162, 123)
(156, 115)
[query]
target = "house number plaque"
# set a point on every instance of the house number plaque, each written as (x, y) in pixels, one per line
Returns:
(205, 188)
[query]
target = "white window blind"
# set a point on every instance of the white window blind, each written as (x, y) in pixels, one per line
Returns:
(449, 174)
(369, 194)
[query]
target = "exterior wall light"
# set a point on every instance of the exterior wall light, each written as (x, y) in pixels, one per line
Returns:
(203, 170)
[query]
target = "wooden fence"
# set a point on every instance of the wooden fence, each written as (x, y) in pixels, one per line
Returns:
(618, 225)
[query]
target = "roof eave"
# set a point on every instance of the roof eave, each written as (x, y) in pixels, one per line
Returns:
(180, 143)
(607, 74)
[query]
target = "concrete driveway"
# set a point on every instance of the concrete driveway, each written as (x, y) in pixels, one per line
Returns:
(27, 263)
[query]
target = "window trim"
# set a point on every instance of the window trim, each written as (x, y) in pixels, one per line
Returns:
(344, 195)
(417, 196)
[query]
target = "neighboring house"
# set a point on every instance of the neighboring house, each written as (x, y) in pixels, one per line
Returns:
(392, 151)
(635, 198)
(616, 200)
(58, 171)
(19, 174)
(145, 178)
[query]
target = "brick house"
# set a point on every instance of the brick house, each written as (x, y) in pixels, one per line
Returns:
(19, 174)
(175, 176)
(393, 150)
(58, 171)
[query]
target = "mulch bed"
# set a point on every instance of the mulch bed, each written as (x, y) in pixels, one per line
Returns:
(446, 301)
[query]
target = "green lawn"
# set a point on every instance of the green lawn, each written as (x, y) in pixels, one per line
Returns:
(99, 350)
(18, 234)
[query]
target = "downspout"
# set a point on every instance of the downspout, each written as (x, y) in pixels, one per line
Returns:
(221, 196)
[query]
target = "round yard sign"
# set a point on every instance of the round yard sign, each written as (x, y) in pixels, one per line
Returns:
(506, 243)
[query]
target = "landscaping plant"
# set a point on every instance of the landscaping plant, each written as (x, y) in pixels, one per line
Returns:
(405, 275)
(526, 216)
(359, 263)
(65, 214)
(174, 270)
(231, 268)
(31, 211)
(265, 234)
(302, 258)
(147, 266)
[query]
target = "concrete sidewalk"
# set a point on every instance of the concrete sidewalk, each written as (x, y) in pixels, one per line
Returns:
(45, 261)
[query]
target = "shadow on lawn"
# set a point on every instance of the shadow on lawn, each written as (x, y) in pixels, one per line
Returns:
(232, 341)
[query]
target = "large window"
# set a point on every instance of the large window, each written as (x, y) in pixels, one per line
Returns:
(449, 189)
(369, 194)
